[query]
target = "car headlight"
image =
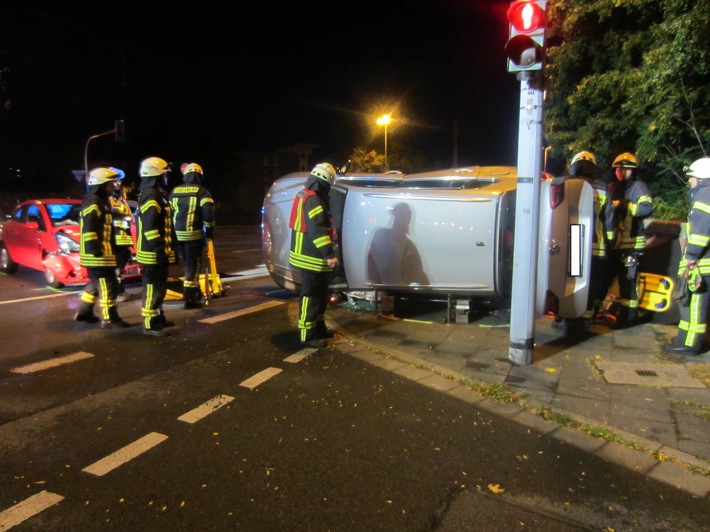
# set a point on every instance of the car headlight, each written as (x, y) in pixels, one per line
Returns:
(66, 244)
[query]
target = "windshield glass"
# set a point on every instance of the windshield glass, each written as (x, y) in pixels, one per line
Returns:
(64, 213)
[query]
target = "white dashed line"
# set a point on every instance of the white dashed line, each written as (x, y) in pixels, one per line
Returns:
(123, 455)
(261, 377)
(28, 508)
(300, 355)
(51, 363)
(242, 312)
(205, 409)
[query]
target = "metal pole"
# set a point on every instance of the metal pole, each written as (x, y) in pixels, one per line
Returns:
(527, 220)
(387, 166)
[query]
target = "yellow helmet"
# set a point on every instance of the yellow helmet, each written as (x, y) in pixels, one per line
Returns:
(99, 176)
(625, 160)
(153, 167)
(191, 167)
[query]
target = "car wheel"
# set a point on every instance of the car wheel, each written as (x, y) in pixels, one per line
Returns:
(7, 265)
(51, 279)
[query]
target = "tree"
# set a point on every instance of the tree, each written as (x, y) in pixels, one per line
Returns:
(631, 75)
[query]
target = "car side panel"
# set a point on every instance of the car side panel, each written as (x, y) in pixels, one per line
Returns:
(422, 241)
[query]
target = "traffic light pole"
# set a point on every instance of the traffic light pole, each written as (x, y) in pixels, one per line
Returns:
(527, 219)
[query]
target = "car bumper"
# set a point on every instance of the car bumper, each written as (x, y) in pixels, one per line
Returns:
(66, 269)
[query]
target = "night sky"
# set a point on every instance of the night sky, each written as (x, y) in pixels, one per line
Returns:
(193, 78)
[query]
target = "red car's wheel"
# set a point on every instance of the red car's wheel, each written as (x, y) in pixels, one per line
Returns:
(7, 265)
(51, 279)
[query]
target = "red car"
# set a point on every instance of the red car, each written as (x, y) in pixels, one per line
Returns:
(44, 235)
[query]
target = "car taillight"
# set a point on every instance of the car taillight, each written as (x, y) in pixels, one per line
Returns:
(66, 244)
(557, 194)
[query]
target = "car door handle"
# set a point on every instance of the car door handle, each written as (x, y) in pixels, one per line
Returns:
(554, 248)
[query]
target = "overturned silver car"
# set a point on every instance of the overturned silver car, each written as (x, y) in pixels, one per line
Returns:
(444, 234)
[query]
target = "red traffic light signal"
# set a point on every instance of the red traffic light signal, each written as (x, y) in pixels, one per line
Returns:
(525, 47)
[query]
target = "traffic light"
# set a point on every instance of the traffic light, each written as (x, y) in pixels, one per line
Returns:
(525, 47)
(120, 131)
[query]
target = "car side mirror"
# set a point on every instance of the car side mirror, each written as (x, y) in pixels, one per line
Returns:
(32, 226)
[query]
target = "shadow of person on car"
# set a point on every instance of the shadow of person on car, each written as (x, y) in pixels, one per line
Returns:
(393, 259)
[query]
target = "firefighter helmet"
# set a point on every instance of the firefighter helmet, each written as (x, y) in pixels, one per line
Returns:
(153, 167)
(583, 163)
(700, 169)
(191, 167)
(99, 176)
(625, 160)
(324, 171)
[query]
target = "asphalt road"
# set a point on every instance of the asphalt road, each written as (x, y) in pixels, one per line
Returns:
(228, 424)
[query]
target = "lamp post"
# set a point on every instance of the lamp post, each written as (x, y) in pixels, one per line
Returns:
(384, 120)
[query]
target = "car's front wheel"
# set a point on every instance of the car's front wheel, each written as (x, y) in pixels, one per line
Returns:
(51, 279)
(7, 265)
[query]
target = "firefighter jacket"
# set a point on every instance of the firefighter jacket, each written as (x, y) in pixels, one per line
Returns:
(631, 203)
(122, 218)
(96, 249)
(697, 229)
(192, 210)
(312, 229)
(155, 228)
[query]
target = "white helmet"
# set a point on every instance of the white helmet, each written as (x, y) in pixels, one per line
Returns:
(191, 167)
(153, 167)
(99, 176)
(324, 171)
(700, 169)
(583, 163)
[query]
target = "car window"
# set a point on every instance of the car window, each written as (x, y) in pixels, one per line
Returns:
(34, 215)
(64, 213)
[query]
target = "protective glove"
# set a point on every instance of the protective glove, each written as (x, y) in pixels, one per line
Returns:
(695, 280)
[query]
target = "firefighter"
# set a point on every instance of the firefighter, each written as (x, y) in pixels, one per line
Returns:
(313, 253)
(98, 251)
(154, 244)
(122, 218)
(193, 220)
(631, 203)
(695, 264)
(584, 165)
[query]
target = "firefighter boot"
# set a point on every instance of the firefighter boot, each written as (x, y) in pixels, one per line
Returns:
(114, 321)
(85, 312)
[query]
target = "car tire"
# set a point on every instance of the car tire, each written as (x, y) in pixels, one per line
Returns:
(51, 279)
(7, 265)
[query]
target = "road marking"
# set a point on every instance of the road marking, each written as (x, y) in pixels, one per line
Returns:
(261, 377)
(300, 355)
(51, 363)
(123, 455)
(38, 297)
(242, 312)
(30, 507)
(205, 409)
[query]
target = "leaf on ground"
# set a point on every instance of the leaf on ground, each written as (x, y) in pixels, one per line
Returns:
(550, 370)
(495, 488)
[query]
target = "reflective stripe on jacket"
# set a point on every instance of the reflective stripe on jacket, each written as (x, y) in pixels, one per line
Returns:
(311, 229)
(96, 233)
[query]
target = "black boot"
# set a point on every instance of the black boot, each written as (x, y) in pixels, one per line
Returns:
(85, 312)
(114, 321)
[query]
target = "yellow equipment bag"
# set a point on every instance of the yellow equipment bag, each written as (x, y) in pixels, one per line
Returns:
(655, 292)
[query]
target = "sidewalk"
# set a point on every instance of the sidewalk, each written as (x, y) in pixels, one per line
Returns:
(614, 393)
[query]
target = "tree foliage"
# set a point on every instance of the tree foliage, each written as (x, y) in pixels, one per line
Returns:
(631, 75)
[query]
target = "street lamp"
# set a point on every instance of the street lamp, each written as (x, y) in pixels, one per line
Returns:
(384, 120)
